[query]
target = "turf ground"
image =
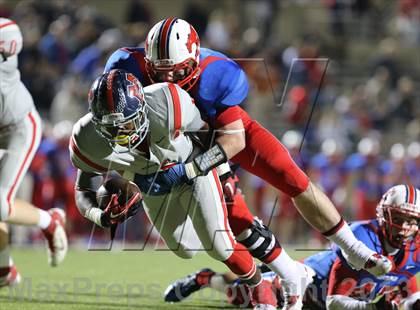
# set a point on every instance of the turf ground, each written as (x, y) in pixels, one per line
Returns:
(105, 280)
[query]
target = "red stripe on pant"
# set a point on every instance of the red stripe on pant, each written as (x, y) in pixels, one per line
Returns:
(240, 262)
(25, 160)
(266, 157)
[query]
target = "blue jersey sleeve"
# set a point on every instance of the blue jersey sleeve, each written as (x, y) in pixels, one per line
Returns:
(223, 84)
(124, 60)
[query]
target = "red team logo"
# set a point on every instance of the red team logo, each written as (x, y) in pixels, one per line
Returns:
(192, 39)
(134, 89)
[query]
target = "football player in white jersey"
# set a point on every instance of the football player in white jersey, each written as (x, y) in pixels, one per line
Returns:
(143, 136)
(20, 135)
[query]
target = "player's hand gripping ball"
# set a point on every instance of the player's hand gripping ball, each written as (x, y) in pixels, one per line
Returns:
(120, 199)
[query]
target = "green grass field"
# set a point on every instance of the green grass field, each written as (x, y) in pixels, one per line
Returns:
(105, 280)
(108, 280)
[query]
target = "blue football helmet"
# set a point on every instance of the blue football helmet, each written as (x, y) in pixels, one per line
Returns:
(116, 101)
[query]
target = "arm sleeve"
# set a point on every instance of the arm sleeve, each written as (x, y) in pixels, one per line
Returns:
(80, 160)
(85, 195)
(228, 116)
(340, 302)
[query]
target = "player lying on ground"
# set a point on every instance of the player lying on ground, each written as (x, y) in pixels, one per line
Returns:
(336, 285)
(20, 135)
(141, 135)
(218, 86)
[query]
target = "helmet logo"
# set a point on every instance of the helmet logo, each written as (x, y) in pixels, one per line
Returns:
(134, 89)
(90, 95)
(192, 39)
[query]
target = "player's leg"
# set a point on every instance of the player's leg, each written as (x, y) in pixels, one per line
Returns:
(9, 275)
(267, 158)
(207, 209)
(205, 205)
(262, 243)
(173, 224)
(19, 147)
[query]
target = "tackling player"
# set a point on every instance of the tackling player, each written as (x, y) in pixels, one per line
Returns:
(141, 134)
(218, 85)
(336, 285)
(20, 135)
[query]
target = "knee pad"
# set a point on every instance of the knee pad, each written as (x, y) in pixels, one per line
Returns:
(259, 240)
(4, 206)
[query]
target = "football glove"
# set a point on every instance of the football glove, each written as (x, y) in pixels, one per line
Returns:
(115, 213)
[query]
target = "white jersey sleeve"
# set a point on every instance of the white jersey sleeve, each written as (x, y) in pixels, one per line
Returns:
(183, 115)
(87, 149)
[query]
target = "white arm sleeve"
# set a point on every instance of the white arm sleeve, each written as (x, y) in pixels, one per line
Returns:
(341, 302)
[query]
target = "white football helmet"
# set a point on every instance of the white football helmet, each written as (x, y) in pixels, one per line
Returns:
(398, 203)
(173, 52)
(11, 38)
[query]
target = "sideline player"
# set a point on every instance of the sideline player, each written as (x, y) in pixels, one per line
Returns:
(218, 85)
(336, 285)
(141, 134)
(20, 135)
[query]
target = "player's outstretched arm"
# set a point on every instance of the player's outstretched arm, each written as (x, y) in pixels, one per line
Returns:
(86, 186)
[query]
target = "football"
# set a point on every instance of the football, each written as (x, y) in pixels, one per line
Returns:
(116, 185)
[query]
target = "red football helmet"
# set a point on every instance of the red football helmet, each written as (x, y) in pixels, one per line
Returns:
(173, 52)
(398, 214)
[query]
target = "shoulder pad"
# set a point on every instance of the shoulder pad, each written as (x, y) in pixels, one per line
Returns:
(224, 83)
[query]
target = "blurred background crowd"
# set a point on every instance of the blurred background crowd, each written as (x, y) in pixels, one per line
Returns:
(337, 81)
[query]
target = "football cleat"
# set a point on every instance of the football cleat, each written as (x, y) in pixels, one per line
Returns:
(263, 296)
(295, 302)
(378, 265)
(182, 288)
(11, 278)
(364, 258)
(56, 237)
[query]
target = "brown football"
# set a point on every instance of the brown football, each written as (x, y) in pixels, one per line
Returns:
(116, 185)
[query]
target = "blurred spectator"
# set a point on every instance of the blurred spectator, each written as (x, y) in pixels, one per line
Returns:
(70, 103)
(365, 178)
(138, 11)
(386, 56)
(91, 60)
(196, 13)
(407, 22)
(53, 45)
(413, 163)
(371, 88)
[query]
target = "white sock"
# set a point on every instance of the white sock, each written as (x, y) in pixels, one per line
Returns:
(288, 271)
(5, 259)
(218, 283)
(353, 250)
(44, 219)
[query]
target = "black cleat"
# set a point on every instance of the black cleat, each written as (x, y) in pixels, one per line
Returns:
(182, 288)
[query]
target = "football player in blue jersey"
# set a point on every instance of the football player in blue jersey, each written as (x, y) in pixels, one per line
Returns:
(218, 86)
(337, 285)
